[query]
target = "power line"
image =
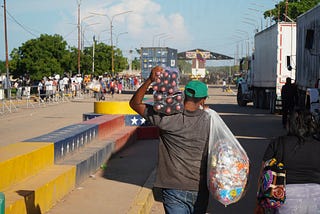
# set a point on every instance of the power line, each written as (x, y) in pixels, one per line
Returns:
(23, 27)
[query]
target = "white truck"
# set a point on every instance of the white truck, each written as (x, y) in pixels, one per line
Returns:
(270, 65)
(308, 59)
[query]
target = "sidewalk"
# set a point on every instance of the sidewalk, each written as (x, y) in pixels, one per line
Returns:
(31, 122)
(120, 187)
(27, 123)
(116, 189)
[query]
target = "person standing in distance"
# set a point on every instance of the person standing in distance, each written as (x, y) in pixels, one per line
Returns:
(288, 97)
(183, 148)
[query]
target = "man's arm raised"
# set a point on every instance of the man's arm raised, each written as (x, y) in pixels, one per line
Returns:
(136, 100)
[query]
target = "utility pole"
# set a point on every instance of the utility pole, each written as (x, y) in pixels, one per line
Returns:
(93, 50)
(79, 32)
(285, 17)
(112, 50)
(8, 84)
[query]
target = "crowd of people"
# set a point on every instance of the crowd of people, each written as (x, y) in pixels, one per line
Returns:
(55, 87)
(74, 86)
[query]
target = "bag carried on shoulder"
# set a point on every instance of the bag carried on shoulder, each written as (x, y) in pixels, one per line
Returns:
(272, 189)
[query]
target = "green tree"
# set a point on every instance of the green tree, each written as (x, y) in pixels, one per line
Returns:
(69, 61)
(184, 66)
(136, 64)
(294, 9)
(44, 56)
(120, 62)
(2, 67)
(102, 60)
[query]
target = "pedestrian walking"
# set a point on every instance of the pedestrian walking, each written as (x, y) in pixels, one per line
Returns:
(183, 148)
(300, 150)
(288, 97)
(41, 90)
(224, 85)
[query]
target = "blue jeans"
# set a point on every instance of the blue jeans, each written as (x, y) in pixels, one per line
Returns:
(184, 202)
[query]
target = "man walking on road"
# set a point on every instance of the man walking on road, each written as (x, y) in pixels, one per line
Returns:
(288, 96)
(183, 148)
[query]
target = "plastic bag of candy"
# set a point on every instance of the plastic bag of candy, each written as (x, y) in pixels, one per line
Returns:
(228, 163)
(168, 99)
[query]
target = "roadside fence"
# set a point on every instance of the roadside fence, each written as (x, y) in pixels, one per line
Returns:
(30, 97)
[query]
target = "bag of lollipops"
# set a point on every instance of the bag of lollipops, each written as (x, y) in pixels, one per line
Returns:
(228, 163)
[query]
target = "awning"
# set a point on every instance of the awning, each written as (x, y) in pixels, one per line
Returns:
(202, 54)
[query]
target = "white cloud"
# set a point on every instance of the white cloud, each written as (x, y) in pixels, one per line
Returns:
(146, 20)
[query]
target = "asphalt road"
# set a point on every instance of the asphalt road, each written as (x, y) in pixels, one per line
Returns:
(252, 127)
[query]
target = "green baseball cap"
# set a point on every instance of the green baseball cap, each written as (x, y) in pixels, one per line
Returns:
(197, 89)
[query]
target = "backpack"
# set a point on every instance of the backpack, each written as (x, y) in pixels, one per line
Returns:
(272, 188)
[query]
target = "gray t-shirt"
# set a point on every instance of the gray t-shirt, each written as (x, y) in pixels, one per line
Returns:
(183, 149)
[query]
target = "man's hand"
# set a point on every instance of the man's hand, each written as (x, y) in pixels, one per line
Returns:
(155, 73)
(136, 100)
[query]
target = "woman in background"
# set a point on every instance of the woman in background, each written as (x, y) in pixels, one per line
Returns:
(302, 163)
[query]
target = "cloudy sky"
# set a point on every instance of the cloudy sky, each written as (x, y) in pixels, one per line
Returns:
(222, 26)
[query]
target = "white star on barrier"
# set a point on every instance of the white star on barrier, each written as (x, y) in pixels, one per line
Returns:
(142, 120)
(134, 121)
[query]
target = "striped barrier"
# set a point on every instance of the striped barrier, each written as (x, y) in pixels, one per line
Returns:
(68, 139)
(38, 172)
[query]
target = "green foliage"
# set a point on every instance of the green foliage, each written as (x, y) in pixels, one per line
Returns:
(39, 57)
(294, 9)
(2, 67)
(184, 66)
(136, 65)
(49, 55)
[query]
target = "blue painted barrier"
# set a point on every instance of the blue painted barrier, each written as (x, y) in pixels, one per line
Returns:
(68, 139)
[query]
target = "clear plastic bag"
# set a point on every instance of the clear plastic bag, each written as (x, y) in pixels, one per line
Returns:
(168, 103)
(168, 99)
(228, 163)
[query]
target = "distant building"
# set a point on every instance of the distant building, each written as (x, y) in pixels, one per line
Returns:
(199, 57)
(153, 56)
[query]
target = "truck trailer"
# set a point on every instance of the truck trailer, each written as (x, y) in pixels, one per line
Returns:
(308, 56)
(269, 66)
(153, 56)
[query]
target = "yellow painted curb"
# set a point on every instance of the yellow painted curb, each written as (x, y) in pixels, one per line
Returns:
(23, 159)
(119, 107)
(39, 193)
(144, 200)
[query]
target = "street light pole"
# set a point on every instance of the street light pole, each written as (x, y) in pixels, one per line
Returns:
(93, 50)
(160, 34)
(112, 51)
(111, 20)
(161, 37)
(165, 39)
(118, 37)
(248, 41)
(83, 28)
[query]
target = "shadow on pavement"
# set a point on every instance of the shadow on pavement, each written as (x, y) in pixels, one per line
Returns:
(134, 163)
(252, 127)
